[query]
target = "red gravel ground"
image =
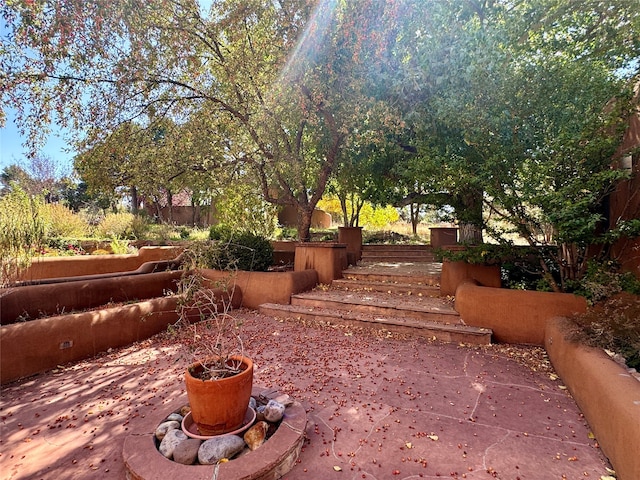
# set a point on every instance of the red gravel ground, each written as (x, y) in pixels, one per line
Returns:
(379, 406)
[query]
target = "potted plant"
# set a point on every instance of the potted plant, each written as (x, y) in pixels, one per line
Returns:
(219, 378)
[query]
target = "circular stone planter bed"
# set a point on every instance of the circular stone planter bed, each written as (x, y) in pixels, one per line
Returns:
(274, 458)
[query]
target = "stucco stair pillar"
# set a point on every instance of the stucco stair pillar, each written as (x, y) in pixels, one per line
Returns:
(328, 259)
(352, 237)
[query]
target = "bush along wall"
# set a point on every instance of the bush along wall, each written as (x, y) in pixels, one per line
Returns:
(239, 250)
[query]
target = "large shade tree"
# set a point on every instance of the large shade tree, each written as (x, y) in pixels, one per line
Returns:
(514, 110)
(281, 81)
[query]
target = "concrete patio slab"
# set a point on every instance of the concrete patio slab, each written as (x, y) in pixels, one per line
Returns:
(379, 406)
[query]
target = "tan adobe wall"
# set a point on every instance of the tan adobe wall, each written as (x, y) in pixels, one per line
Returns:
(33, 301)
(606, 393)
(454, 273)
(79, 265)
(31, 347)
(27, 348)
(267, 287)
(515, 316)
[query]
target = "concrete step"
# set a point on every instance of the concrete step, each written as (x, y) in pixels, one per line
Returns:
(395, 247)
(386, 286)
(363, 275)
(391, 252)
(393, 257)
(445, 332)
(375, 303)
(397, 253)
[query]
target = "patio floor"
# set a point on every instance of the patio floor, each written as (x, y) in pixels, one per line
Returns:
(379, 406)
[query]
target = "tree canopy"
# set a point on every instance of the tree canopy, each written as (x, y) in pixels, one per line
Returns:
(275, 85)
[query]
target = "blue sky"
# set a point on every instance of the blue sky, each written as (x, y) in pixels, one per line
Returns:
(12, 150)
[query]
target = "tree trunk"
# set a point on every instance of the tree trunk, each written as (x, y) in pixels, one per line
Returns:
(469, 214)
(135, 201)
(304, 225)
(415, 214)
(158, 207)
(343, 206)
(170, 205)
(469, 233)
(359, 203)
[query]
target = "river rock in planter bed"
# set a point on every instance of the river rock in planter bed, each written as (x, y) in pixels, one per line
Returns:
(215, 449)
(186, 451)
(171, 441)
(256, 435)
(176, 417)
(273, 411)
(164, 427)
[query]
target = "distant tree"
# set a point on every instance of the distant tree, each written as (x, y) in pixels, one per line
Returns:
(74, 195)
(15, 176)
(39, 176)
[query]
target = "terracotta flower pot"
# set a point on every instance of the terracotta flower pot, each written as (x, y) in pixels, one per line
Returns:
(219, 406)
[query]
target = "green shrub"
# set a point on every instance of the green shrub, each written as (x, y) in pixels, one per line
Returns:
(162, 233)
(286, 233)
(250, 252)
(184, 233)
(602, 281)
(239, 251)
(62, 222)
(120, 247)
(220, 232)
(116, 225)
(22, 232)
(139, 227)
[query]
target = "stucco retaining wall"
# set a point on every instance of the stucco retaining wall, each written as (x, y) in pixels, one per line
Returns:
(606, 393)
(284, 252)
(515, 316)
(79, 265)
(27, 348)
(454, 273)
(267, 287)
(32, 301)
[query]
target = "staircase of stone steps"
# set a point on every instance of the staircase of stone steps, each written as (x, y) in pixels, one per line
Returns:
(402, 297)
(397, 253)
